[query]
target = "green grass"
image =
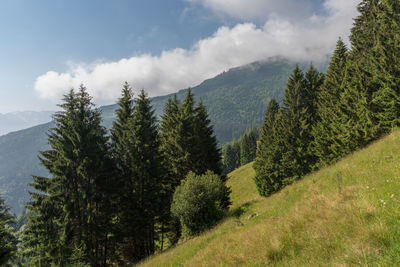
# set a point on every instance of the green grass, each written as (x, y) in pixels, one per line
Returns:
(345, 215)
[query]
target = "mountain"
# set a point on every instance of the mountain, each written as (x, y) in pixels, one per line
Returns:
(16, 121)
(235, 99)
(343, 215)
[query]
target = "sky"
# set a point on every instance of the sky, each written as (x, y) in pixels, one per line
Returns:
(50, 46)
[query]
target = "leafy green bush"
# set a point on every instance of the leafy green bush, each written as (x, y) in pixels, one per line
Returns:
(197, 202)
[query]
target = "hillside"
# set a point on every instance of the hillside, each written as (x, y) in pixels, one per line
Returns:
(344, 215)
(235, 99)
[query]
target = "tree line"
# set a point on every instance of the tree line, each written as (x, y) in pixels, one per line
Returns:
(325, 117)
(240, 152)
(114, 198)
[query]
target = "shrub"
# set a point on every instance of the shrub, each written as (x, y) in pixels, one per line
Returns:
(197, 202)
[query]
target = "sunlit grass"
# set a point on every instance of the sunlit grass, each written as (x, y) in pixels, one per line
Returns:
(344, 215)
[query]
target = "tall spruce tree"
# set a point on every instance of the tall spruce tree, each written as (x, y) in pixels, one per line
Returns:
(71, 219)
(208, 155)
(120, 136)
(330, 117)
(144, 187)
(266, 164)
(293, 126)
(359, 124)
(386, 66)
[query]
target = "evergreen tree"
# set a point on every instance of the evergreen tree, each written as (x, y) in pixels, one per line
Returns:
(266, 164)
(359, 125)
(386, 58)
(188, 144)
(143, 189)
(293, 127)
(71, 210)
(7, 238)
(207, 153)
(229, 159)
(313, 82)
(120, 125)
(324, 131)
(236, 152)
(248, 146)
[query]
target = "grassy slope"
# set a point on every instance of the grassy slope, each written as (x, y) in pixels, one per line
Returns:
(345, 215)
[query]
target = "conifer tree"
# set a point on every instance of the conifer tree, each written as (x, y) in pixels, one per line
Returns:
(359, 125)
(248, 146)
(267, 160)
(386, 58)
(229, 159)
(236, 152)
(188, 144)
(291, 125)
(123, 114)
(208, 155)
(144, 188)
(71, 219)
(330, 117)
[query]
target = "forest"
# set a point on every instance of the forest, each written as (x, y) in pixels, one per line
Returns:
(114, 198)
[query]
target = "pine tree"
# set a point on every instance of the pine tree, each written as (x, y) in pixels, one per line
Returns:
(208, 155)
(386, 66)
(229, 159)
(123, 114)
(248, 146)
(290, 127)
(236, 152)
(266, 164)
(72, 211)
(310, 116)
(359, 126)
(144, 188)
(7, 238)
(324, 130)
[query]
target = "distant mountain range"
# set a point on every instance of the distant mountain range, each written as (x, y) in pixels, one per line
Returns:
(16, 121)
(235, 100)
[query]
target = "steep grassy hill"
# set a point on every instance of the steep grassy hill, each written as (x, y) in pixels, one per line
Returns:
(345, 215)
(235, 99)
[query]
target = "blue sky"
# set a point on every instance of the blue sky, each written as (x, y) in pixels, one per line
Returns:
(48, 46)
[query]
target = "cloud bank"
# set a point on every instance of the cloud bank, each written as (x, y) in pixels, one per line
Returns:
(310, 38)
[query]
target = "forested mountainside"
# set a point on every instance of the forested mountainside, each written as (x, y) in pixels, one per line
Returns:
(235, 100)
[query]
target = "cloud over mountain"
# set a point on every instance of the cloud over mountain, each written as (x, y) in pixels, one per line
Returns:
(305, 38)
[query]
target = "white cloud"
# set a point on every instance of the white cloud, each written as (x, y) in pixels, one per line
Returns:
(308, 39)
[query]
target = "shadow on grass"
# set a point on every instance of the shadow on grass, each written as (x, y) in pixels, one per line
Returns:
(239, 211)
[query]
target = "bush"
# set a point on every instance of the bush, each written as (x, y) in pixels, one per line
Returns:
(197, 202)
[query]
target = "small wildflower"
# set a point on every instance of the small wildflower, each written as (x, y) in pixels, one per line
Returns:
(367, 187)
(382, 201)
(387, 181)
(392, 195)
